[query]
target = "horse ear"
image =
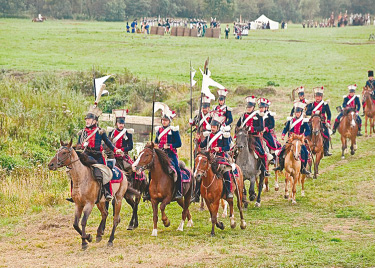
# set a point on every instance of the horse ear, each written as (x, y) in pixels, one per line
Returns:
(61, 142)
(70, 143)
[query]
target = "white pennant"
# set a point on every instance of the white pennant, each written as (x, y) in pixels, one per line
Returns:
(98, 84)
(206, 83)
(192, 74)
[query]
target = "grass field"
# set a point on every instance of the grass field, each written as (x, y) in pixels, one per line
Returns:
(333, 226)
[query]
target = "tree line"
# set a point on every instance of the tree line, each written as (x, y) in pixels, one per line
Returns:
(223, 10)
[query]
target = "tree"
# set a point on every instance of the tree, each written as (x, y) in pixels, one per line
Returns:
(309, 8)
(115, 10)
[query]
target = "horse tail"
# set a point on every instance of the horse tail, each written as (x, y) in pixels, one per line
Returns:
(131, 191)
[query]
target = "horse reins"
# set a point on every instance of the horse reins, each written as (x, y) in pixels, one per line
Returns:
(61, 161)
(205, 174)
(149, 165)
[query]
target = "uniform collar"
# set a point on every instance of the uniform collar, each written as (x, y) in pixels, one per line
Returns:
(91, 127)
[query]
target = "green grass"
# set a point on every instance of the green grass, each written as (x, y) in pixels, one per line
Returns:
(333, 226)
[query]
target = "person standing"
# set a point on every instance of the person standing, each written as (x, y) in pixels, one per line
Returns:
(227, 30)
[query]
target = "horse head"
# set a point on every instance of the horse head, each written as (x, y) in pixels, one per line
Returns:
(366, 93)
(63, 156)
(145, 159)
(316, 124)
(296, 141)
(202, 164)
(351, 116)
(241, 138)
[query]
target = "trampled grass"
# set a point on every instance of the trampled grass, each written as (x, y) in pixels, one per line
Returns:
(333, 226)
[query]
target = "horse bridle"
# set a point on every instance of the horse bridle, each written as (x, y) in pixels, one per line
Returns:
(149, 165)
(204, 174)
(61, 161)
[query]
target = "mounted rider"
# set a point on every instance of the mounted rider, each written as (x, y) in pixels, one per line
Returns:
(297, 125)
(168, 139)
(252, 121)
(90, 140)
(123, 139)
(203, 120)
(217, 142)
(301, 98)
(269, 135)
(350, 101)
(224, 109)
(370, 83)
(319, 106)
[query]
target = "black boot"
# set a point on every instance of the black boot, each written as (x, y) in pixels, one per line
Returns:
(335, 126)
(281, 162)
(107, 192)
(305, 171)
(197, 192)
(178, 188)
(146, 195)
(326, 148)
(227, 185)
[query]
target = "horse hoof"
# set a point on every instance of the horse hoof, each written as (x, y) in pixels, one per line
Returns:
(276, 189)
(167, 223)
(252, 197)
(352, 152)
(154, 232)
(245, 204)
(98, 239)
(212, 234)
(89, 238)
(233, 225)
(110, 244)
(85, 246)
(286, 196)
(130, 228)
(243, 224)
(257, 205)
(294, 202)
(302, 193)
(221, 225)
(190, 223)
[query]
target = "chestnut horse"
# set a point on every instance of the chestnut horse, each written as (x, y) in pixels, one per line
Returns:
(161, 185)
(293, 166)
(212, 190)
(369, 109)
(348, 129)
(316, 141)
(85, 193)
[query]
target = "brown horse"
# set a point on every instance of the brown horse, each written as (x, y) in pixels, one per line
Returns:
(293, 166)
(369, 109)
(212, 190)
(39, 20)
(161, 185)
(316, 141)
(348, 129)
(85, 193)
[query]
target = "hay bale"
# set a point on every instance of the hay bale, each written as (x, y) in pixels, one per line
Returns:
(194, 32)
(174, 31)
(186, 31)
(161, 30)
(216, 33)
(154, 30)
(209, 32)
(180, 31)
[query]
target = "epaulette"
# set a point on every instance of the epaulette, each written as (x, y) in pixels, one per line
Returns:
(206, 133)
(157, 128)
(260, 113)
(130, 130)
(226, 134)
(175, 128)
(272, 113)
(110, 129)
(306, 120)
(289, 118)
(101, 131)
(344, 96)
(229, 109)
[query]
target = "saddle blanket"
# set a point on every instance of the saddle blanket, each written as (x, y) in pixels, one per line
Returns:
(185, 175)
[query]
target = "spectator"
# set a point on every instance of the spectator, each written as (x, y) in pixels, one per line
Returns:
(127, 27)
(227, 30)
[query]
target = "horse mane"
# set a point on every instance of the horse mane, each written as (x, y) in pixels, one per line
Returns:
(164, 160)
(85, 160)
(250, 139)
(347, 111)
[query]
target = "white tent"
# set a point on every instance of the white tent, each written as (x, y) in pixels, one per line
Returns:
(263, 19)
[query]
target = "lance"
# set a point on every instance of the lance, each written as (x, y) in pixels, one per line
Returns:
(191, 116)
(200, 104)
(153, 115)
(93, 75)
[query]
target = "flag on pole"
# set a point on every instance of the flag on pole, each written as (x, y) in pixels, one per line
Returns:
(98, 84)
(165, 109)
(208, 82)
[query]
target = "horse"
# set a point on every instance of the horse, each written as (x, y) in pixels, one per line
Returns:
(316, 141)
(348, 130)
(39, 20)
(293, 166)
(212, 190)
(161, 185)
(86, 190)
(369, 110)
(245, 159)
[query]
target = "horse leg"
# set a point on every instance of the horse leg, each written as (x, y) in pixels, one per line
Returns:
(86, 213)
(260, 188)
(182, 204)
(239, 195)
(266, 184)
(214, 207)
(287, 175)
(294, 187)
(252, 190)
(353, 144)
(155, 205)
(318, 157)
(231, 213)
(276, 180)
(77, 217)
(224, 205)
(164, 217)
(135, 212)
(343, 142)
(131, 202)
(104, 213)
(116, 219)
(366, 125)
(201, 208)
(303, 184)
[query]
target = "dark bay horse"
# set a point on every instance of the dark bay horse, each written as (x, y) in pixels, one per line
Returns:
(316, 141)
(369, 109)
(85, 193)
(212, 189)
(161, 185)
(348, 129)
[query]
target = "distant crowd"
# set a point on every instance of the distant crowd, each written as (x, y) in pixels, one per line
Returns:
(342, 20)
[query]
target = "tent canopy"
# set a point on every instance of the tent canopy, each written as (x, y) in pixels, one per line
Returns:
(263, 19)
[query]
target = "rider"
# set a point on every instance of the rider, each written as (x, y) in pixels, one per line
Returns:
(319, 106)
(204, 122)
(90, 139)
(122, 137)
(168, 139)
(350, 101)
(301, 96)
(370, 83)
(225, 110)
(297, 125)
(269, 127)
(252, 120)
(217, 143)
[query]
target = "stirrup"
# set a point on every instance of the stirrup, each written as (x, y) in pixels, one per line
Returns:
(178, 195)
(69, 199)
(229, 195)
(108, 197)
